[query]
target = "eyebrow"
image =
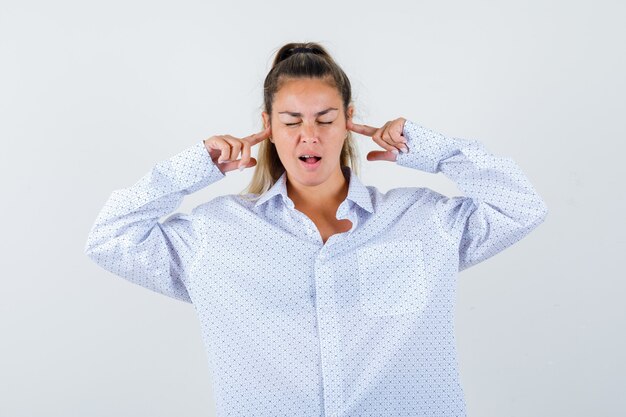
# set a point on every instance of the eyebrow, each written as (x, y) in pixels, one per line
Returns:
(319, 113)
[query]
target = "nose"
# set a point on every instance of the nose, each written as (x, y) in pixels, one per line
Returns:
(309, 132)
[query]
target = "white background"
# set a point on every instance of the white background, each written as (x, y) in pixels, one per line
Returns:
(92, 95)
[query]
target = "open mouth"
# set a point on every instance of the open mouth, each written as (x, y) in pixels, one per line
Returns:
(310, 163)
(311, 160)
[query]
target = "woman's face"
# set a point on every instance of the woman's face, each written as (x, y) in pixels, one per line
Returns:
(308, 118)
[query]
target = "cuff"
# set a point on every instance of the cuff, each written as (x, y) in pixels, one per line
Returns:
(426, 148)
(193, 168)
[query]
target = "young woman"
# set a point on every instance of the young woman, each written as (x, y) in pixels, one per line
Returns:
(318, 295)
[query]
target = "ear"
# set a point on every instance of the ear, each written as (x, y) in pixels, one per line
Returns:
(350, 112)
(266, 122)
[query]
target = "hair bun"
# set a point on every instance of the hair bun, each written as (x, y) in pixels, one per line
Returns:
(292, 49)
(303, 49)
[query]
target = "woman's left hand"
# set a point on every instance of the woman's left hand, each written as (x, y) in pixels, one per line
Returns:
(389, 137)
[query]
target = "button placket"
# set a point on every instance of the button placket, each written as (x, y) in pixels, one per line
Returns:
(328, 334)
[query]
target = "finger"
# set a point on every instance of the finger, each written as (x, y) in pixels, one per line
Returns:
(378, 138)
(233, 165)
(393, 136)
(381, 156)
(252, 162)
(396, 131)
(386, 135)
(224, 147)
(218, 143)
(245, 155)
(255, 138)
(362, 129)
(235, 147)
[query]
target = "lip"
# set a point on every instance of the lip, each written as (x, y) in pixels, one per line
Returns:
(310, 167)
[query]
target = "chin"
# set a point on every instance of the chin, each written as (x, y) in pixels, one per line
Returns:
(309, 178)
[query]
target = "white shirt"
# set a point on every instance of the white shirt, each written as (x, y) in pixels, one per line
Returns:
(359, 326)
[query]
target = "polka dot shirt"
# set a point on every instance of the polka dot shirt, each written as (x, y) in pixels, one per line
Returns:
(361, 325)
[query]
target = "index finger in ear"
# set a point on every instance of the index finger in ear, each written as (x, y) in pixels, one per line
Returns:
(362, 129)
(255, 138)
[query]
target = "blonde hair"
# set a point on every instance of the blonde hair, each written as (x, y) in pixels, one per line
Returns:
(292, 62)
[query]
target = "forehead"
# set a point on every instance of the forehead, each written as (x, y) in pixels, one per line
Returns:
(307, 96)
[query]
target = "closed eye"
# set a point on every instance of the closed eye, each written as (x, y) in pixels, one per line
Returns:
(293, 124)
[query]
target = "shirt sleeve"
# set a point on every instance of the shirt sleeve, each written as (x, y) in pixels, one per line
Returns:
(127, 237)
(500, 206)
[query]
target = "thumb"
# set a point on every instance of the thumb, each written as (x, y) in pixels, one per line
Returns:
(232, 165)
(251, 163)
(381, 156)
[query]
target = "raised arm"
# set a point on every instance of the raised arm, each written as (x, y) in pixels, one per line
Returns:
(127, 237)
(129, 240)
(500, 205)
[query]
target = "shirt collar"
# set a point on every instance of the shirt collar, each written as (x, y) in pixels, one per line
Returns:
(357, 191)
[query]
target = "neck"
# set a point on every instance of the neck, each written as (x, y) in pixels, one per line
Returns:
(323, 197)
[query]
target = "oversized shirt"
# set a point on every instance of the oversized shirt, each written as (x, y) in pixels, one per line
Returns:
(361, 325)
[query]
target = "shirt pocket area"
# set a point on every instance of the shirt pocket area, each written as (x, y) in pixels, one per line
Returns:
(392, 277)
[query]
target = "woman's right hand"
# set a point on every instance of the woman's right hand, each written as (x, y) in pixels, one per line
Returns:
(224, 149)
